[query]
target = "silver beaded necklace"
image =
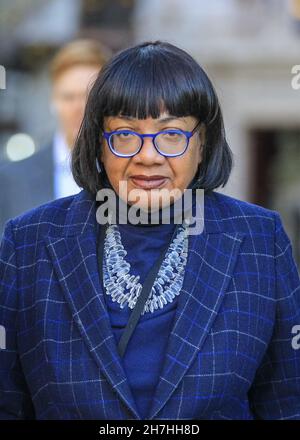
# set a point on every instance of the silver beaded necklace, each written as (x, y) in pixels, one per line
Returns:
(126, 288)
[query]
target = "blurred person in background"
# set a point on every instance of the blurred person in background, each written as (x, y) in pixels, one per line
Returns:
(46, 175)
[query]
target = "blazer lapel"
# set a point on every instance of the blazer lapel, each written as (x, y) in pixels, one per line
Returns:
(211, 259)
(75, 263)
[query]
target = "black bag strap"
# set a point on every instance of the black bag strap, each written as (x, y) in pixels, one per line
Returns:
(144, 294)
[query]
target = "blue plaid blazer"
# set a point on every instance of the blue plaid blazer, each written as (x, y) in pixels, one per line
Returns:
(229, 353)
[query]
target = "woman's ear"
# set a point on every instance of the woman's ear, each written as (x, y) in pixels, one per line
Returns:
(202, 133)
(202, 137)
(101, 149)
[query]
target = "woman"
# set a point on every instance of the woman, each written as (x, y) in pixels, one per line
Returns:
(214, 338)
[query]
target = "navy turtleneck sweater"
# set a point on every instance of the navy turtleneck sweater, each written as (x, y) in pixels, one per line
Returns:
(145, 352)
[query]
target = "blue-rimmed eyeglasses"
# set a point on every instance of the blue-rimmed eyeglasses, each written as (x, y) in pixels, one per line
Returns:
(169, 143)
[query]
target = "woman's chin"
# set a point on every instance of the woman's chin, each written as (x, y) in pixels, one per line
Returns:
(147, 207)
(151, 200)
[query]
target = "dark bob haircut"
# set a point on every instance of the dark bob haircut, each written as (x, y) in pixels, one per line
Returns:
(137, 82)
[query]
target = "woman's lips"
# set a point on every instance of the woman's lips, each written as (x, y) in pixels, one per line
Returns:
(148, 182)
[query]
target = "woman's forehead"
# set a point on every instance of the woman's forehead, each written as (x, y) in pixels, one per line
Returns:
(163, 118)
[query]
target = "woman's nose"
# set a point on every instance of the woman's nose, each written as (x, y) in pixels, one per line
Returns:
(148, 153)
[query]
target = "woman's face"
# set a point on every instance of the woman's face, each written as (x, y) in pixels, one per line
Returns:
(175, 173)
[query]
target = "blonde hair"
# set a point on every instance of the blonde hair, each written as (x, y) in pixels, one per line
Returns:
(83, 52)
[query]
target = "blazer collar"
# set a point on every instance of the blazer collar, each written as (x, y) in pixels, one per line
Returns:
(211, 259)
